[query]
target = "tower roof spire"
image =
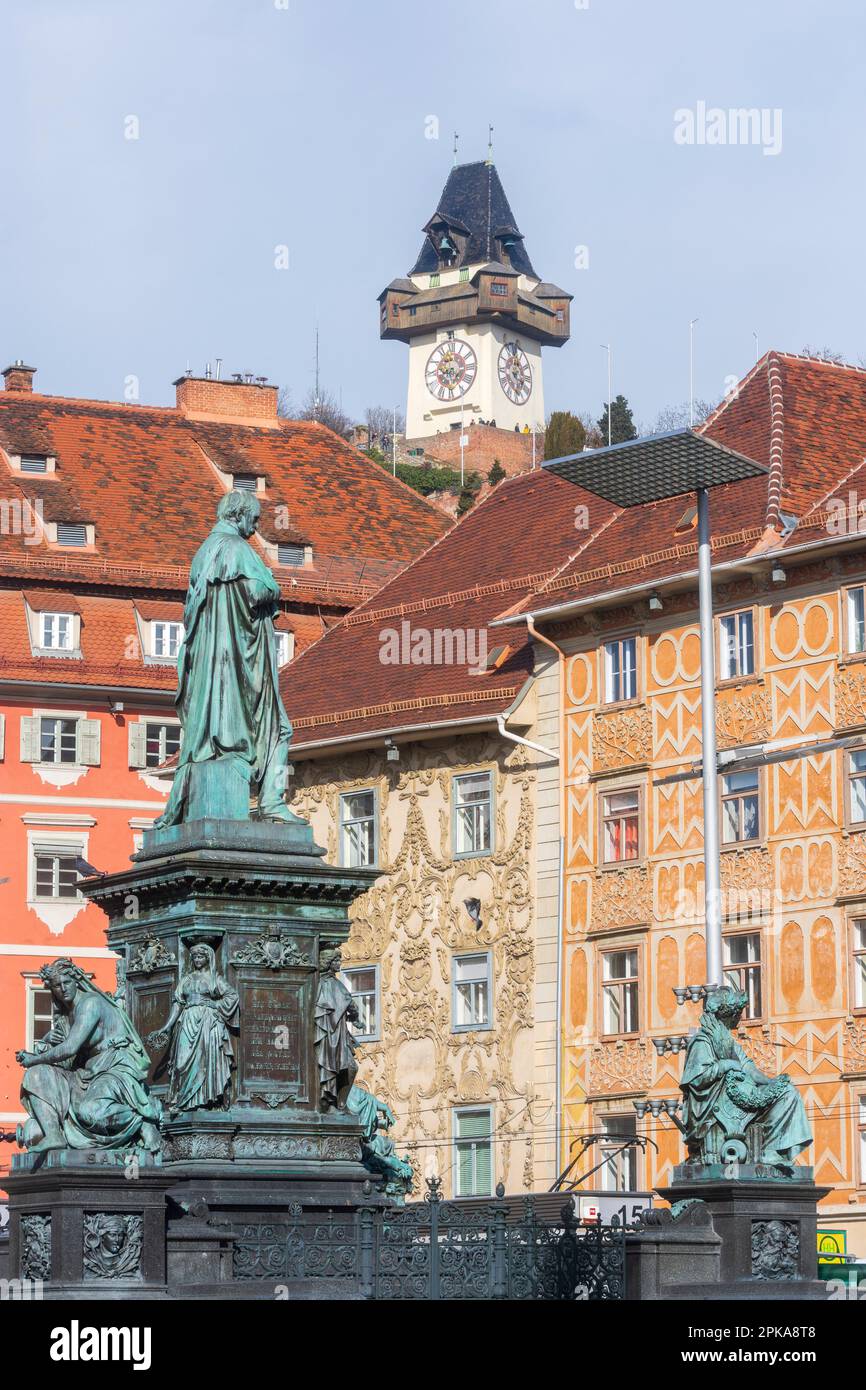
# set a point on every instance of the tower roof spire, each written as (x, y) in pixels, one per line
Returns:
(490, 144)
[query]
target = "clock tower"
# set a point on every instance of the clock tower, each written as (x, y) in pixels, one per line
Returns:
(474, 313)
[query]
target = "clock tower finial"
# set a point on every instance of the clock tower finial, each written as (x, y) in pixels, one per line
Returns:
(490, 144)
(456, 138)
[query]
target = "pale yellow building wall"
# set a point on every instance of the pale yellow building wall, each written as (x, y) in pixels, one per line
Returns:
(413, 921)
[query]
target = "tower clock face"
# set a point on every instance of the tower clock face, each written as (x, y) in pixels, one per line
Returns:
(515, 374)
(450, 370)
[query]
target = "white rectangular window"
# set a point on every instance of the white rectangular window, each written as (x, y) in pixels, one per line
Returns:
(245, 482)
(737, 645)
(58, 740)
(620, 670)
(40, 1013)
(473, 1158)
(34, 463)
(619, 992)
(857, 619)
(167, 640)
(740, 808)
(473, 813)
(857, 785)
(742, 957)
(285, 644)
(363, 985)
(162, 741)
(618, 1155)
(55, 631)
(358, 839)
(471, 991)
(620, 825)
(55, 874)
(860, 963)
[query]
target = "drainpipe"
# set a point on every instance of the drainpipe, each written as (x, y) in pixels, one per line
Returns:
(560, 906)
(524, 742)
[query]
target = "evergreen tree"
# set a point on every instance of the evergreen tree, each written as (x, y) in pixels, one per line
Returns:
(622, 427)
(565, 434)
(496, 474)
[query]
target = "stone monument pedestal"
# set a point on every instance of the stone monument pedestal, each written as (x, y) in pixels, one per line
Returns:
(767, 1224)
(267, 1191)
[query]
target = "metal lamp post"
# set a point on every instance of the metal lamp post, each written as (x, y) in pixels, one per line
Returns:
(650, 470)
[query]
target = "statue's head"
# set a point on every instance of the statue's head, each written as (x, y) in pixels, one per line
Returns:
(113, 1234)
(242, 509)
(63, 978)
(202, 956)
(726, 1004)
(330, 960)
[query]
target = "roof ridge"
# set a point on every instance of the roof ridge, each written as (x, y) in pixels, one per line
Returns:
(777, 436)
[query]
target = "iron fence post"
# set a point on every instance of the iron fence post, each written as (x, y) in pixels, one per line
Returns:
(500, 1261)
(367, 1265)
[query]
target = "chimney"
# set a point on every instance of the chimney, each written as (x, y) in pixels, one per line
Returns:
(18, 377)
(244, 400)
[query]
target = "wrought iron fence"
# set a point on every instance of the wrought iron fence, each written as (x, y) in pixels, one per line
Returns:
(442, 1251)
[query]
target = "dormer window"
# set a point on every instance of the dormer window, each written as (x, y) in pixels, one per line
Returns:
(245, 482)
(56, 631)
(167, 639)
(498, 287)
(288, 553)
(285, 645)
(69, 533)
(33, 463)
(435, 280)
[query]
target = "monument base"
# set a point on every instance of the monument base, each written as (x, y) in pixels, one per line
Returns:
(87, 1225)
(767, 1225)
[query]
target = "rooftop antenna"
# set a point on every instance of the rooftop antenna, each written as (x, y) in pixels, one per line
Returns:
(456, 138)
(490, 144)
(606, 347)
(692, 323)
(219, 368)
(317, 372)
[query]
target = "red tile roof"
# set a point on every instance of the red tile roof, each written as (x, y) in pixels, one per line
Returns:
(495, 556)
(519, 552)
(147, 479)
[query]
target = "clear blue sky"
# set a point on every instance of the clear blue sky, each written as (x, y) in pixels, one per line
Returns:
(304, 125)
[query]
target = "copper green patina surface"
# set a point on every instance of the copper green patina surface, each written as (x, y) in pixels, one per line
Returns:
(236, 732)
(733, 1113)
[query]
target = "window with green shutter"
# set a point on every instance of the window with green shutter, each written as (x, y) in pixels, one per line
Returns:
(473, 1166)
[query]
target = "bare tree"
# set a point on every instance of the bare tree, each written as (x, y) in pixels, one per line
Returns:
(679, 417)
(325, 408)
(824, 354)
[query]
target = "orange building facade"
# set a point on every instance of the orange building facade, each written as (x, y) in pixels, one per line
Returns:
(623, 689)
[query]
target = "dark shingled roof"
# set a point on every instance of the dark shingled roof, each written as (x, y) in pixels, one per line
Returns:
(473, 198)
